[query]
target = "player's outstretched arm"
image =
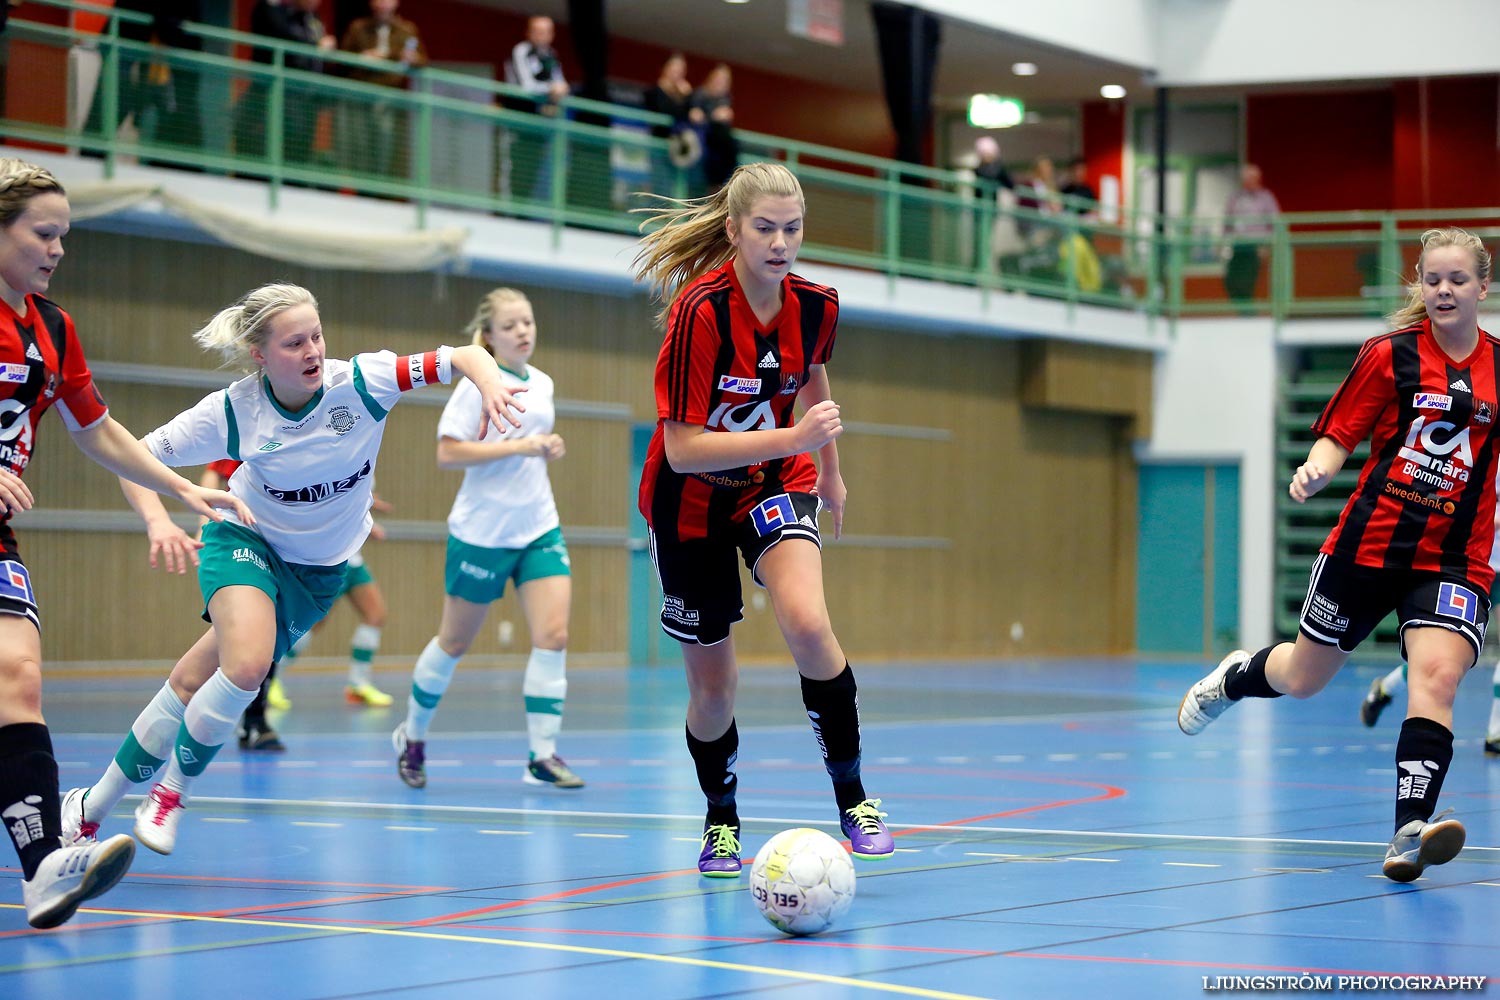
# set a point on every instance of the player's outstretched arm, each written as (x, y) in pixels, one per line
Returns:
(112, 446)
(474, 363)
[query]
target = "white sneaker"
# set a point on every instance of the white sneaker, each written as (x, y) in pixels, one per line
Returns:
(156, 819)
(1206, 701)
(1417, 845)
(76, 829)
(70, 875)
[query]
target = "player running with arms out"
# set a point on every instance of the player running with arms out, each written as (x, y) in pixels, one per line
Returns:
(728, 473)
(307, 430)
(1415, 536)
(41, 366)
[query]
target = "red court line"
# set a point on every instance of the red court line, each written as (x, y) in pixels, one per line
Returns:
(1110, 792)
(550, 897)
(1214, 965)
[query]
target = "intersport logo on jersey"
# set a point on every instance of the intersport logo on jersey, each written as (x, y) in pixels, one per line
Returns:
(1436, 453)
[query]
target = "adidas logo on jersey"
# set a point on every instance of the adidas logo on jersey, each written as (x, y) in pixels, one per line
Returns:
(804, 519)
(33, 353)
(1461, 386)
(769, 361)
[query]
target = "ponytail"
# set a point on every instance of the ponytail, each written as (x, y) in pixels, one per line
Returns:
(236, 329)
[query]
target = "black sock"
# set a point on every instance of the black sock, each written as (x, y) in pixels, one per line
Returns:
(833, 708)
(1424, 750)
(255, 712)
(30, 803)
(1248, 680)
(715, 761)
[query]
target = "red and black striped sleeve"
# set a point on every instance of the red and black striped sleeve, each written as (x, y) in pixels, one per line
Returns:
(1366, 392)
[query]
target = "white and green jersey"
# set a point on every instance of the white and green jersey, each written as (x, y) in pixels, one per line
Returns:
(307, 475)
(507, 503)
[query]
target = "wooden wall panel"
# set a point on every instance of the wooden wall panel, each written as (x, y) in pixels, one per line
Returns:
(1028, 512)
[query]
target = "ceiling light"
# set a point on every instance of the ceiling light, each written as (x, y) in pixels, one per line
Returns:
(736, 1)
(1023, 69)
(1112, 91)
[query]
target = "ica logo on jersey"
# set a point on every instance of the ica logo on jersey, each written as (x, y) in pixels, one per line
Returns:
(751, 416)
(1444, 456)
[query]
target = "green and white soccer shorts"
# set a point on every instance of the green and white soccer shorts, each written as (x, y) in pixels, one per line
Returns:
(356, 574)
(477, 574)
(236, 556)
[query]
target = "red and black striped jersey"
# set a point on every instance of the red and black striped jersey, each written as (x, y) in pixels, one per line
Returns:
(1426, 495)
(722, 369)
(41, 364)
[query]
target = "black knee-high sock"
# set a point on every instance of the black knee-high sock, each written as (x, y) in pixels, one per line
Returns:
(715, 761)
(255, 712)
(1424, 750)
(833, 708)
(1248, 680)
(30, 804)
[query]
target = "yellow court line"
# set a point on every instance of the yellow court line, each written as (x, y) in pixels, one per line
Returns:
(703, 963)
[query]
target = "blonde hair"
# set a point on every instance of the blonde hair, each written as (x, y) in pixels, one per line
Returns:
(235, 330)
(484, 315)
(687, 239)
(1414, 311)
(20, 182)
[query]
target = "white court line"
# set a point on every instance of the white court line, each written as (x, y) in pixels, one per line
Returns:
(222, 819)
(507, 833)
(934, 828)
(604, 836)
(1102, 861)
(308, 822)
(413, 829)
(1188, 864)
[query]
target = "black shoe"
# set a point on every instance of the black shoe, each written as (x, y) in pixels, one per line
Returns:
(260, 736)
(1375, 701)
(1492, 747)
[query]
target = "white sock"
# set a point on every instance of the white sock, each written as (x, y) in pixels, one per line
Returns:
(209, 721)
(362, 649)
(141, 756)
(1394, 681)
(429, 682)
(1494, 730)
(545, 687)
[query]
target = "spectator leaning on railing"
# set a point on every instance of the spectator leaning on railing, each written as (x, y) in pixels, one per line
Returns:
(372, 132)
(160, 94)
(1247, 224)
(289, 21)
(533, 66)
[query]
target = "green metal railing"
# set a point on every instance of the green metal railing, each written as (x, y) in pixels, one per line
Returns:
(454, 140)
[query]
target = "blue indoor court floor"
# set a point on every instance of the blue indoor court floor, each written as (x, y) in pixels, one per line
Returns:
(1057, 837)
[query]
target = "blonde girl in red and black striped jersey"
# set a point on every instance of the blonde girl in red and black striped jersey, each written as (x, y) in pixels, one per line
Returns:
(42, 365)
(728, 473)
(1415, 536)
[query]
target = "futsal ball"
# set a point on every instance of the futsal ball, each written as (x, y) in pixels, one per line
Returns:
(802, 881)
